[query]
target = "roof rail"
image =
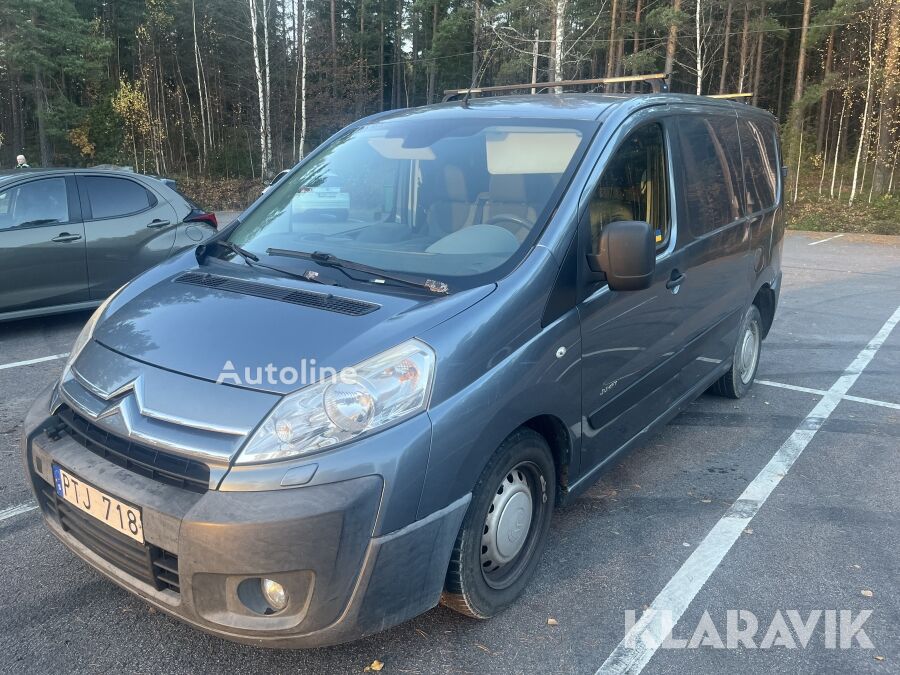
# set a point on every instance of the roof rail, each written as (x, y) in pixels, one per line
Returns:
(658, 83)
(743, 95)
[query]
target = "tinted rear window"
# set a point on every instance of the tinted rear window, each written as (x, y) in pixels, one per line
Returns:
(711, 160)
(760, 164)
(111, 197)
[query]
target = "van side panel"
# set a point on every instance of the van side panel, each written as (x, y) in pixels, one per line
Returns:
(716, 244)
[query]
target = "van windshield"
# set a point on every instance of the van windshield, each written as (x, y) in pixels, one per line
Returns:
(456, 201)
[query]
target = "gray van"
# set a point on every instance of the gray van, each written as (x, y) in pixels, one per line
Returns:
(367, 394)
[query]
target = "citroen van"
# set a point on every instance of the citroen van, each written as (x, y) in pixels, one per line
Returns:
(368, 393)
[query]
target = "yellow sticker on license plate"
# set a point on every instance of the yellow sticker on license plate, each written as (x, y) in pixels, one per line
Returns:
(107, 509)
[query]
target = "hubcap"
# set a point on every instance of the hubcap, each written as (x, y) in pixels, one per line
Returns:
(749, 354)
(508, 521)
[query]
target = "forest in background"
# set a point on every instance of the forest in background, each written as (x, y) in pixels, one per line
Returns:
(224, 93)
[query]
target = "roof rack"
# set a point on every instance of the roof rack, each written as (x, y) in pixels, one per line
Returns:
(658, 83)
(730, 96)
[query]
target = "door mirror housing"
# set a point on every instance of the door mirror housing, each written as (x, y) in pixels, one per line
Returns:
(627, 256)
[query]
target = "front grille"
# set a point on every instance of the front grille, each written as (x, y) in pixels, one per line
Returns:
(150, 564)
(161, 466)
(327, 301)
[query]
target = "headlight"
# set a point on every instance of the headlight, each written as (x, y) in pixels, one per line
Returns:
(378, 392)
(86, 334)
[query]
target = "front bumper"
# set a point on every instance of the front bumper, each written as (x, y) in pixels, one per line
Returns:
(317, 541)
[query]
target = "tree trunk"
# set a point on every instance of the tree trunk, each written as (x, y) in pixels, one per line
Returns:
(204, 121)
(559, 40)
(40, 102)
(257, 66)
(745, 48)
(612, 45)
(757, 69)
(890, 100)
(620, 43)
(824, 108)
(672, 41)
(698, 48)
(476, 39)
(300, 152)
(865, 119)
(534, 58)
(636, 42)
(334, 73)
(724, 72)
(380, 54)
(268, 81)
(432, 66)
(801, 65)
(783, 59)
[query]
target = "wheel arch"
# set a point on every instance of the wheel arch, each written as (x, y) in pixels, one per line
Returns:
(557, 435)
(765, 302)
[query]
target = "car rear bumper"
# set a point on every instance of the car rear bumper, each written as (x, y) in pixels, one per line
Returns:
(317, 541)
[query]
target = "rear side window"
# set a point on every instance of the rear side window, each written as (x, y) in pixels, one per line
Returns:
(760, 164)
(112, 197)
(711, 167)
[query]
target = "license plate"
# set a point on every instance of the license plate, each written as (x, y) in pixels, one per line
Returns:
(107, 509)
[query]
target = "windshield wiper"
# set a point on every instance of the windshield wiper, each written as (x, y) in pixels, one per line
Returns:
(379, 275)
(253, 261)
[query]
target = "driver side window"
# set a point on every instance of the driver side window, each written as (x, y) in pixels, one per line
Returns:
(35, 203)
(634, 186)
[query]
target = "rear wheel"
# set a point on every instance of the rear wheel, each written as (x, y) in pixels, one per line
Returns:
(737, 381)
(504, 531)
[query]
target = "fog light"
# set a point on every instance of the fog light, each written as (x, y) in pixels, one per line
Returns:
(274, 594)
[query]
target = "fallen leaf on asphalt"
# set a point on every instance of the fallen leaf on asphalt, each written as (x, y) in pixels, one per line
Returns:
(867, 593)
(684, 543)
(421, 632)
(748, 530)
(879, 658)
(482, 648)
(705, 501)
(856, 567)
(552, 622)
(375, 667)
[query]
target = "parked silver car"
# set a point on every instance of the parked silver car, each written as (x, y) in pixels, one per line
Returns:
(70, 237)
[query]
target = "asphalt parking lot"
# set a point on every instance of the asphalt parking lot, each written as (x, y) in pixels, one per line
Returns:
(817, 442)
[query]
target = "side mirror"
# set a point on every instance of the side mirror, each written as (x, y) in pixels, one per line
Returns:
(627, 255)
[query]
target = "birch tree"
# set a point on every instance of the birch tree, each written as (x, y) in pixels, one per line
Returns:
(264, 143)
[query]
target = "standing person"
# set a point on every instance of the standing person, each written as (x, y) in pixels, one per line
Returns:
(21, 163)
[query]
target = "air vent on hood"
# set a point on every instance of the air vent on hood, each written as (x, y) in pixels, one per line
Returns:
(324, 301)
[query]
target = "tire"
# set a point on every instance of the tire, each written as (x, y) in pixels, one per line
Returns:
(488, 573)
(745, 362)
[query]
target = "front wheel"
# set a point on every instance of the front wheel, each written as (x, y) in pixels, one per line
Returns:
(504, 531)
(737, 381)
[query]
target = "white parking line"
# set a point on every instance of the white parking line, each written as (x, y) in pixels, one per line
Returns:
(822, 392)
(822, 241)
(17, 510)
(29, 362)
(643, 639)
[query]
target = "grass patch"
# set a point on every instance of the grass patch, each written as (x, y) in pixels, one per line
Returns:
(822, 213)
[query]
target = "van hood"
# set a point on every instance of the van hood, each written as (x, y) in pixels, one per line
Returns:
(195, 327)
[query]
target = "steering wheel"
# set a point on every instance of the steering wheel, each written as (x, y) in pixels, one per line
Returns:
(504, 219)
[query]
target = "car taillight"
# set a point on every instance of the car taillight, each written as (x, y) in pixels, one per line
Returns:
(197, 216)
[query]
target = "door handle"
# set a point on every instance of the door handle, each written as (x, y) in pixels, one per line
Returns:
(65, 237)
(675, 280)
(157, 223)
